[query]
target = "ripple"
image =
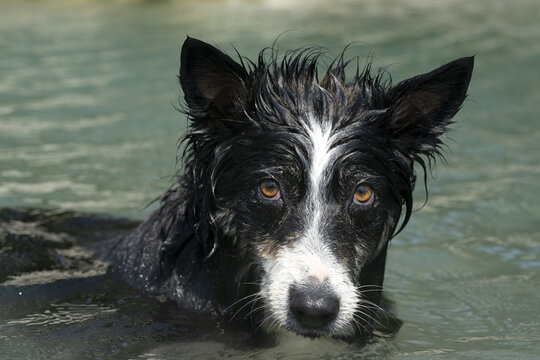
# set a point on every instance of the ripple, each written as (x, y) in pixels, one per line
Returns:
(46, 187)
(64, 313)
(33, 126)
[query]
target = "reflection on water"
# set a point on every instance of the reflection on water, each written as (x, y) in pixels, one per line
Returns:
(64, 314)
(87, 123)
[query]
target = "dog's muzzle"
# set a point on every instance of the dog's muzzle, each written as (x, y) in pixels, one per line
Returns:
(313, 304)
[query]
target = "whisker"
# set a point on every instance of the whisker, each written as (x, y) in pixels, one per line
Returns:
(263, 321)
(388, 314)
(237, 301)
(359, 324)
(372, 288)
(253, 301)
(369, 317)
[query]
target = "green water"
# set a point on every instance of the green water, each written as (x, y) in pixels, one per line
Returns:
(87, 123)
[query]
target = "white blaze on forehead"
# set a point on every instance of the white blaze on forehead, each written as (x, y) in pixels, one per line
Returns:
(321, 153)
(320, 136)
(321, 139)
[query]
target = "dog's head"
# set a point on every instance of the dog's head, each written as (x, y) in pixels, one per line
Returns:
(305, 179)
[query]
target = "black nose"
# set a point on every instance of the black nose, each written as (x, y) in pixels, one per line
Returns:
(313, 305)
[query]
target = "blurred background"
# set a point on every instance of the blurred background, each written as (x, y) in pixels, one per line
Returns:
(87, 123)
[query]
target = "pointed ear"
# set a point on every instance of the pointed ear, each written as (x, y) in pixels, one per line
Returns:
(423, 106)
(213, 83)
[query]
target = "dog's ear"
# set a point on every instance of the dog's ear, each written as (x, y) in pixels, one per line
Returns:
(422, 106)
(213, 83)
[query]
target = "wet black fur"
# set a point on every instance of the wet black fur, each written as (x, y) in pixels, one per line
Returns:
(200, 246)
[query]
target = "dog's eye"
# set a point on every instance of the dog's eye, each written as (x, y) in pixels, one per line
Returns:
(269, 189)
(363, 194)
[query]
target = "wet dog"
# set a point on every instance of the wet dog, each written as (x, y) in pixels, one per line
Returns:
(294, 181)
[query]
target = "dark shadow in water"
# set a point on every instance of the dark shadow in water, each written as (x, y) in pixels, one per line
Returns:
(57, 301)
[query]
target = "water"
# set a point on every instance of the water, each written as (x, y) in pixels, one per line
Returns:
(87, 123)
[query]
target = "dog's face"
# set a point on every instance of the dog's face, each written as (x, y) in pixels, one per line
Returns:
(308, 178)
(314, 208)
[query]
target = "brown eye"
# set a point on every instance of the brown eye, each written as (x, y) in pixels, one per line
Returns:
(269, 189)
(363, 194)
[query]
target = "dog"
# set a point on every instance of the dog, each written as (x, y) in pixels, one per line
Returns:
(291, 188)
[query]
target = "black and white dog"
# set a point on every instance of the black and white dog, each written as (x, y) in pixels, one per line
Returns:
(292, 187)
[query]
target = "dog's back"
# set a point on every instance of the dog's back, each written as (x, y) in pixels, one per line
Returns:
(137, 257)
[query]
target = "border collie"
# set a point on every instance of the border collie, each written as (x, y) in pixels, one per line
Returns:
(293, 184)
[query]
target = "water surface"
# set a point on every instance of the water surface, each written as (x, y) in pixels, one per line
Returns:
(87, 123)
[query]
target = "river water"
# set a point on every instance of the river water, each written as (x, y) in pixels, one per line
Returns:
(87, 123)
